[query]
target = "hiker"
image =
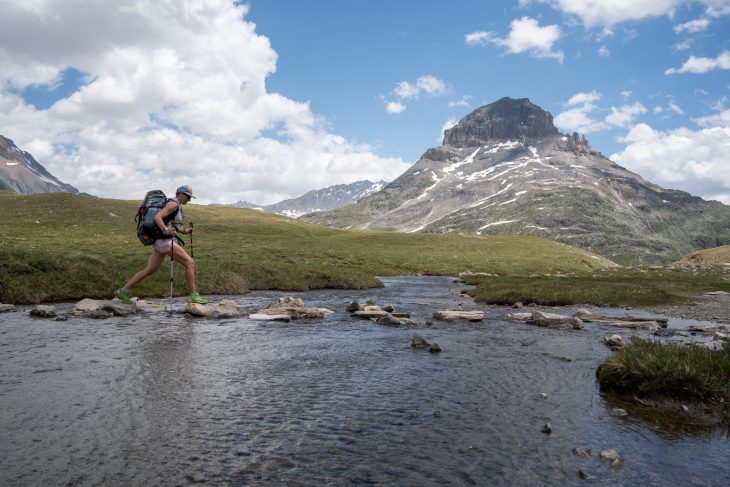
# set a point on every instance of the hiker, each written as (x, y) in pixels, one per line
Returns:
(169, 221)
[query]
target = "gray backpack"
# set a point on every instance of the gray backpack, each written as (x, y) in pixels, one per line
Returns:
(147, 229)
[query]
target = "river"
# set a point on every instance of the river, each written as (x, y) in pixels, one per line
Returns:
(170, 400)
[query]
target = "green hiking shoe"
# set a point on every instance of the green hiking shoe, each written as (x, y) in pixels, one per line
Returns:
(123, 296)
(197, 299)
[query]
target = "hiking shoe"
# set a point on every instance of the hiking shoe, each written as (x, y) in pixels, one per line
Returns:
(124, 297)
(197, 299)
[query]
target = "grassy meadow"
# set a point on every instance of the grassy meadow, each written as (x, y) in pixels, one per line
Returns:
(59, 246)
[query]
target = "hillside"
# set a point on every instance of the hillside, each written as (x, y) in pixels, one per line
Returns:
(59, 246)
(504, 169)
(717, 255)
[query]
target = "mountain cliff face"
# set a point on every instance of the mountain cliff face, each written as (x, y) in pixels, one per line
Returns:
(21, 173)
(505, 169)
(320, 199)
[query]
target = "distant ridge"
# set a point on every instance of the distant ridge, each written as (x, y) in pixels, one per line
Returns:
(21, 173)
(505, 169)
(328, 198)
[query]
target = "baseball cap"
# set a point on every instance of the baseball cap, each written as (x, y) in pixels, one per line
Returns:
(186, 190)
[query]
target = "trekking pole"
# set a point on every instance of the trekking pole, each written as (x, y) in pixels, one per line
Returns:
(192, 249)
(172, 253)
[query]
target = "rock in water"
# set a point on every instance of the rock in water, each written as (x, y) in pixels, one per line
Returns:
(196, 309)
(418, 342)
(269, 317)
(353, 306)
(43, 311)
(434, 348)
(453, 315)
(6, 307)
(612, 457)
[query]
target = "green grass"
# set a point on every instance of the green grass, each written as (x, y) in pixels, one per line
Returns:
(59, 246)
(653, 370)
(606, 287)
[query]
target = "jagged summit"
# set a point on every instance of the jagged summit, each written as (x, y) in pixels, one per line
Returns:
(506, 119)
(505, 169)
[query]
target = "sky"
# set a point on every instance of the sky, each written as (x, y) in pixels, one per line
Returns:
(267, 99)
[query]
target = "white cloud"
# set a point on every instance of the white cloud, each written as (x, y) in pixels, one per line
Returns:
(691, 160)
(627, 93)
(394, 107)
(428, 84)
(721, 119)
(697, 25)
(624, 116)
(675, 108)
(463, 103)
(525, 35)
(579, 116)
(702, 64)
(606, 13)
(447, 125)
(683, 46)
(176, 92)
(603, 51)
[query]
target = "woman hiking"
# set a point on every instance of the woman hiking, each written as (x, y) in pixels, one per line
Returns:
(169, 221)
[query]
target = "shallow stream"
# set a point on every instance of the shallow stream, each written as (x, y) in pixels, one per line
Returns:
(170, 400)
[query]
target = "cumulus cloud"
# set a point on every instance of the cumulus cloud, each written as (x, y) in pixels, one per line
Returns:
(579, 115)
(394, 107)
(625, 115)
(702, 64)
(693, 26)
(405, 90)
(525, 35)
(462, 103)
(691, 160)
(174, 92)
(446, 126)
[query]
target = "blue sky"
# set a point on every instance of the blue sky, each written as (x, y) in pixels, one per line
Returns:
(268, 99)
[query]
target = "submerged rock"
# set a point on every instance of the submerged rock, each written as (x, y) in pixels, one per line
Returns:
(547, 428)
(6, 307)
(150, 307)
(43, 311)
(434, 348)
(454, 315)
(556, 323)
(612, 457)
(418, 342)
(614, 342)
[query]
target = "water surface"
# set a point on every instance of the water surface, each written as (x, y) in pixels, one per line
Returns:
(170, 400)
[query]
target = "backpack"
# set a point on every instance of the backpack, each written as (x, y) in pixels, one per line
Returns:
(147, 229)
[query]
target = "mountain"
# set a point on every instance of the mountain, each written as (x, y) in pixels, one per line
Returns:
(506, 169)
(319, 200)
(21, 173)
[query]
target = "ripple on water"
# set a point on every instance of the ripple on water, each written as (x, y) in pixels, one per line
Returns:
(168, 401)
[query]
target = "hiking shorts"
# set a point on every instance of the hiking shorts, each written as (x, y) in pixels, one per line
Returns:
(163, 245)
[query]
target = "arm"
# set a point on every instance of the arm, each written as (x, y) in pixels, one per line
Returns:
(169, 208)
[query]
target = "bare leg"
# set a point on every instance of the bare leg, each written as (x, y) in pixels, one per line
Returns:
(182, 257)
(152, 265)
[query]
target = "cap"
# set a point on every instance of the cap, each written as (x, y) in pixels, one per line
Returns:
(186, 190)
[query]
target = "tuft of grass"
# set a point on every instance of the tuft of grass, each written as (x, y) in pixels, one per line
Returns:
(654, 370)
(59, 246)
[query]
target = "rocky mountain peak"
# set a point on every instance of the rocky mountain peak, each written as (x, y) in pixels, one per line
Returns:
(506, 119)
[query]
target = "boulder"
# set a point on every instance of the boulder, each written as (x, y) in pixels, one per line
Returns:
(227, 308)
(289, 302)
(6, 307)
(269, 317)
(353, 306)
(614, 342)
(453, 315)
(562, 323)
(196, 309)
(101, 308)
(228, 302)
(43, 311)
(418, 342)
(150, 307)
(389, 320)
(370, 302)
(369, 314)
(652, 323)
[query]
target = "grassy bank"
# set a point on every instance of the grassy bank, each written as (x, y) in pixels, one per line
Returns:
(653, 370)
(620, 286)
(59, 246)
